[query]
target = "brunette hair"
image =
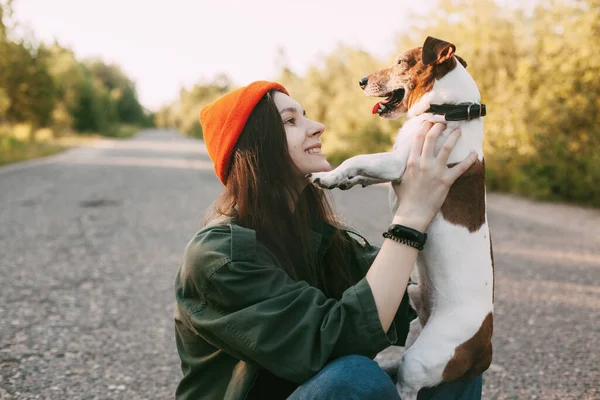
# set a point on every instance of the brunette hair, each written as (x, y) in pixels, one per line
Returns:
(260, 194)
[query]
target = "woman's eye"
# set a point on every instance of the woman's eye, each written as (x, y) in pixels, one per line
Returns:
(290, 121)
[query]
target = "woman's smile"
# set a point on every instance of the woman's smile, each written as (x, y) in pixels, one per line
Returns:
(302, 135)
(314, 150)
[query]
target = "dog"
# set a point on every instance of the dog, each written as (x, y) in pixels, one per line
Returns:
(451, 337)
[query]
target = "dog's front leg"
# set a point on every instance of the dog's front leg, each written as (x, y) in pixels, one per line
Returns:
(364, 169)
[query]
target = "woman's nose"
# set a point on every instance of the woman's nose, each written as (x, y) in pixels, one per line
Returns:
(318, 129)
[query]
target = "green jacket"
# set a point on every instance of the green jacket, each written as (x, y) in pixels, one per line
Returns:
(238, 313)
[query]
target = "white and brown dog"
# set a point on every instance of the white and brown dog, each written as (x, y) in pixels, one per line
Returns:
(451, 338)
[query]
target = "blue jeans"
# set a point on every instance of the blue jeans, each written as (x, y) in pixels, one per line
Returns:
(358, 377)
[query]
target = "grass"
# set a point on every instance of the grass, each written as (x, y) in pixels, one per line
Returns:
(13, 150)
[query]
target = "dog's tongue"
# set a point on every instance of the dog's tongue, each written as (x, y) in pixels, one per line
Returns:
(375, 108)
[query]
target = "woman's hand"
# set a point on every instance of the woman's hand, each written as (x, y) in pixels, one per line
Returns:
(427, 178)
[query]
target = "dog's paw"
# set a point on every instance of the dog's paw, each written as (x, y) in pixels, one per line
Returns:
(408, 395)
(351, 182)
(419, 369)
(411, 375)
(405, 391)
(325, 180)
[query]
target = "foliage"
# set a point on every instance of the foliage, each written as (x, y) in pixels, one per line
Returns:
(537, 71)
(47, 86)
(184, 114)
(27, 88)
(537, 68)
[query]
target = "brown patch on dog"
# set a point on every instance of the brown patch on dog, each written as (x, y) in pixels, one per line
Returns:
(422, 76)
(474, 356)
(436, 51)
(465, 203)
(439, 54)
(440, 70)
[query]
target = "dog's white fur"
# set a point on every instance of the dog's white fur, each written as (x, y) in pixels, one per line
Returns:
(456, 264)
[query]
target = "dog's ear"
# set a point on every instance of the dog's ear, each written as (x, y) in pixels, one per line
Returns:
(460, 60)
(436, 51)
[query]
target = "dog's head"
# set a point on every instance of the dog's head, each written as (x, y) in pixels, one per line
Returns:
(411, 76)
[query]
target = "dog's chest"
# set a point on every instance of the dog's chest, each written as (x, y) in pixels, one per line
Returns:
(471, 138)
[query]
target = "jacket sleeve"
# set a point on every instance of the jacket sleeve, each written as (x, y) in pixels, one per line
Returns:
(257, 313)
(365, 255)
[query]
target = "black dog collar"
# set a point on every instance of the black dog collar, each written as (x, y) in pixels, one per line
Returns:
(458, 112)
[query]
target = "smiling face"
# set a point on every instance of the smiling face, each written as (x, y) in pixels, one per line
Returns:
(303, 136)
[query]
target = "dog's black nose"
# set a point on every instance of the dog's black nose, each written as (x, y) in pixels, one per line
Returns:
(363, 82)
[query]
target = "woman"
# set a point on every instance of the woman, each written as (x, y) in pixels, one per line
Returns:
(275, 298)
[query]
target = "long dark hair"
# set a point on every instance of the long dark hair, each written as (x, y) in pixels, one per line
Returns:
(260, 194)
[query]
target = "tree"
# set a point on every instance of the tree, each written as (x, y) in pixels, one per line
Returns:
(45, 85)
(5, 15)
(185, 112)
(121, 89)
(26, 82)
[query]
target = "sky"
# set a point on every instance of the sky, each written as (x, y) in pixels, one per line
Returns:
(166, 45)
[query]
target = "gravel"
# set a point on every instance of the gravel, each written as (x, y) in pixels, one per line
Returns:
(91, 240)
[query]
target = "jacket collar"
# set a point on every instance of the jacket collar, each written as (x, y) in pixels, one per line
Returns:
(321, 237)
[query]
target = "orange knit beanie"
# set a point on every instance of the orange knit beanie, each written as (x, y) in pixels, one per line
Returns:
(223, 121)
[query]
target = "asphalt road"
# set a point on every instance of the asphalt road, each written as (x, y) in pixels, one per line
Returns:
(90, 241)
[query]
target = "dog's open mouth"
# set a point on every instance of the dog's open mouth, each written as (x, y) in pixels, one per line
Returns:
(390, 101)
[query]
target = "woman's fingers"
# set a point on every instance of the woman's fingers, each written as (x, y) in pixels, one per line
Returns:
(449, 144)
(431, 139)
(417, 144)
(461, 167)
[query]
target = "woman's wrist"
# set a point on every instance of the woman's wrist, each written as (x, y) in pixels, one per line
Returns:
(419, 224)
